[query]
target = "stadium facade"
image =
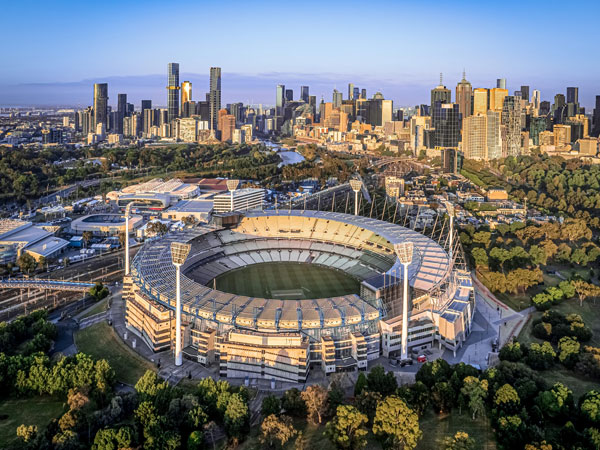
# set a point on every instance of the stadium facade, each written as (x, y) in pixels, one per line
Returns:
(283, 338)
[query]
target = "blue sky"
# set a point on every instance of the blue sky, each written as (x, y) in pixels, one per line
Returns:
(53, 51)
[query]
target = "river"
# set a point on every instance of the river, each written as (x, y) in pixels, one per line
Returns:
(287, 157)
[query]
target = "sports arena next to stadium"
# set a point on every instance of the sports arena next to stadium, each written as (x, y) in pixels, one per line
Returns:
(288, 335)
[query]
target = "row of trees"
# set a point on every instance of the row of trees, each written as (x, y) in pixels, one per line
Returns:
(35, 329)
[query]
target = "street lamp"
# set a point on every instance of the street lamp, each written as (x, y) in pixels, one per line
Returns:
(179, 252)
(127, 213)
(356, 185)
(404, 251)
(450, 209)
(232, 186)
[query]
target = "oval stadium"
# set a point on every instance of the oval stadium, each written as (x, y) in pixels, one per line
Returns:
(275, 294)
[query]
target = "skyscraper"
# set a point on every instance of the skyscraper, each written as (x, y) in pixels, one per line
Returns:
(337, 98)
(573, 95)
(279, 99)
(536, 99)
(463, 97)
(511, 121)
(350, 91)
(363, 93)
(501, 83)
(493, 136)
(173, 91)
(474, 137)
(289, 95)
(596, 117)
(525, 93)
(446, 121)
(121, 112)
(497, 96)
(440, 94)
(186, 93)
(100, 105)
(480, 101)
(304, 94)
(214, 97)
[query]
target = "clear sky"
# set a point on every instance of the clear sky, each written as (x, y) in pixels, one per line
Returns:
(53, 51)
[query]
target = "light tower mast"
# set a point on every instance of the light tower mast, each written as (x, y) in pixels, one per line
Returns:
(404, 251)
(232, 186)
(356, 186)
(179, 252)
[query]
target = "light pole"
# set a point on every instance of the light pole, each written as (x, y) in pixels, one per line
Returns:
(127, 213)
(356, 185)
(404, 251)
(450, 208)
(179, 252)
(232, 186)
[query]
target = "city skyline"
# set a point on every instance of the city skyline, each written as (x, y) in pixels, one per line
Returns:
(400, 53)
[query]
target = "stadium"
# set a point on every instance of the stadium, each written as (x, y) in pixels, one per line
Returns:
(275, 294)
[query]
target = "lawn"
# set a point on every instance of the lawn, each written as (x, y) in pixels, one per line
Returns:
(100, 307)
(100, 341)
(29, 411)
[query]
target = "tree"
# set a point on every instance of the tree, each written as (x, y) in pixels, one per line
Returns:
(568, 350)
(460, 441)
(361, 384)
(276, 431)
(585, 290)
(26, 263)
(482, 237)
(540, 356)
(195, 440)
(556, 402)
(236, 416)
(270, 405)
(99, 291)
(27, 433)
(506, 398)
(475, 390)
(396, 425)
(590, 406)
(511, 352)
(442, 397)
(315, 398)
(480, 256)
(189, 221)
(293, 403)
(156, 228)
(380, 381)
(87, 236)
(346, 430)
(150, 385)
(367, 402)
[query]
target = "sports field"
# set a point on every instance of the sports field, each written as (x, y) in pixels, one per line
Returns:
(290, 281)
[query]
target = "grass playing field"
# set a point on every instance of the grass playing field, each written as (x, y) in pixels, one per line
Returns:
(290, 281)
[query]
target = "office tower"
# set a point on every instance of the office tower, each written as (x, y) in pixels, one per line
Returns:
(350, 91)
(463, 97)
(363, 94)
(121, 112)
(356, 93)
(559, 101)
(452, 160)
(203, 110)
(537, 125)
(100, 105)
(173, 91)
(337, 98)
(573, 95)
(511, 121)
(544, 108)
(149, 120)
(186, 93)
(88, 121)
(525, 93)
(304, 94)
(227, 127)
(279, 99)
(237, 111)
(214, 97)
(440, 94)
(562, 135)
(289, 95)
(536, 99)
(501, 83)
(474, 137)
(497, 96)
(493, 136)
(446, 122)
(596, 118)
(312, 101)
(480, 101)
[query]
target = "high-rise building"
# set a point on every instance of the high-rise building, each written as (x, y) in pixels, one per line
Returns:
(279, 99)
(536, 99)
(452, 160)
(214, 97)
(446, 122)
(480, 101)
(497, 96)
(337, 98)
(121, 112)
(525, 93)
(304, 94)
(350, 91)
(173, 91)
(441, 94)
(493, 135)
(573, 95)
(474, 137)
(289, 95)
(537, 125)
(463, 97)
(596, 118)
(355, 93)
(501, 83)
(511, 121)
(227, 127)
(100, 105)
(363, 94)
(186, 93)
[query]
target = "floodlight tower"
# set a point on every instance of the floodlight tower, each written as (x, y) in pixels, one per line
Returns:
(127, 213)
(450, 208)
(404, 251)
(232, 186)
(179, 252)
(356, 185)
